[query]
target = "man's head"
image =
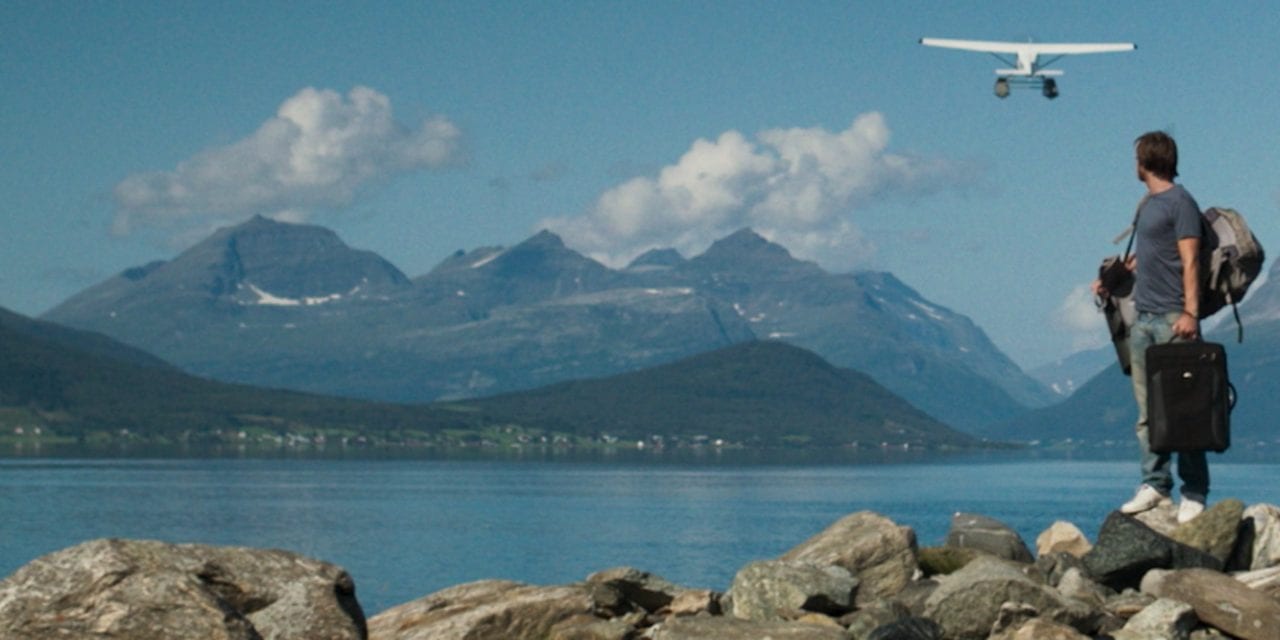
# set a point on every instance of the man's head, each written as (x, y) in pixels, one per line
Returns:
(1157, 155)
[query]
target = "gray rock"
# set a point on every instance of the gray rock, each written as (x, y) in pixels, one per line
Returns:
(728, 628)
(981, 533)
(1056, 564)
(1215, 531)
(1127, 549)
(908, 629)
(880, 553)
(1075, 585)
(1220, 601)
(132, 589)
(1164, 619)
(873, 616)
(646, 590)
(486, 609)
(968, 603)
(777, 590)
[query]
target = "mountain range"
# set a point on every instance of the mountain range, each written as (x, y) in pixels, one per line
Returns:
(83, 385)
(291, 306)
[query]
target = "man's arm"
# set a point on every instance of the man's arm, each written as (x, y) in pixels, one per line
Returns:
(1188, 324)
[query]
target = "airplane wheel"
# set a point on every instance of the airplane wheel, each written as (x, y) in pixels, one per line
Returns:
(1050, 88)
(1002, 88)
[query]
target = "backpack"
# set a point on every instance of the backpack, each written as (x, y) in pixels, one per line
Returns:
(1230, 260)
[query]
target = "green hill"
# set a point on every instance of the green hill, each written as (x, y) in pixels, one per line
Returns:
(761, 393)
(85, 387)
(77, 383)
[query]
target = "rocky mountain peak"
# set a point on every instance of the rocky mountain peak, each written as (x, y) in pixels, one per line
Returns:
(747, 252)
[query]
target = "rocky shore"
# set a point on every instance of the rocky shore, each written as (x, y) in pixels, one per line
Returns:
(863, 578)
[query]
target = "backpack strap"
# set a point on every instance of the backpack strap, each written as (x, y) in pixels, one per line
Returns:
(1131, 231)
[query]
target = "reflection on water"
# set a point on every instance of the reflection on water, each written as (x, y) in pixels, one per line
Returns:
(407, 525)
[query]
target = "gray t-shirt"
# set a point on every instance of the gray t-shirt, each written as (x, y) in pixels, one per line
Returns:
(1163, 220)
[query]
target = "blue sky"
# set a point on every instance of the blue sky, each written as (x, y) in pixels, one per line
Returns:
(414, 129)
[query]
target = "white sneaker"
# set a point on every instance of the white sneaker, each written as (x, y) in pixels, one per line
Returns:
(1188, 510)
(1146, 499)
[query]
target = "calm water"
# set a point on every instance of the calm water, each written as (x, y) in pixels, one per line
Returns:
(408, 527)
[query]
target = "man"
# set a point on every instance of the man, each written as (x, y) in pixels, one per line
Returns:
(1167, 298)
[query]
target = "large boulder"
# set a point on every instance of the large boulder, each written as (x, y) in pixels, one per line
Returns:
(988, 535)
(137, 589)
(1127, 549)
(1214, 531)
(1219, 600)
(490, 609)
(880, 553)
(968, 602)
(781, 590)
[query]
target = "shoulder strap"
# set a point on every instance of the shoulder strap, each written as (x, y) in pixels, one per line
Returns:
(1131, 231)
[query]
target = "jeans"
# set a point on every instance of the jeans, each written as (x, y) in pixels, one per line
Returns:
(1193, 468)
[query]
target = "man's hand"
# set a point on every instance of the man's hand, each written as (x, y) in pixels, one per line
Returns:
(1186, 326)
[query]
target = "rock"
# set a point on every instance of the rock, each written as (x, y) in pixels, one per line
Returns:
(1214, 531)
(1163, 518)
(1127, 549)
(872, 616)
(729, 628)
(485, 609)
(1264, 580)
(777, 590)
(988, 535)
(640, 587)
(967, 603)
(880, 553)
(1219, 601)
(1263, 522)
(1056, 564)
(693, 602)
(1128, 604)
(943, 560)
(1011, 616)
(132, 589)
(1075, 585)
(1040, 629)
(1062, 537)
(916, 594)
(908, 629)
(591, 628)
(1163, 619)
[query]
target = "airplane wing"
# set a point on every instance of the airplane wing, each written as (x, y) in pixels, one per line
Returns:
(1032, 48)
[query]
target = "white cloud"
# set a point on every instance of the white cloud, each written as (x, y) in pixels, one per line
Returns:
(799, 187)
(319, 150)
(1079, 317)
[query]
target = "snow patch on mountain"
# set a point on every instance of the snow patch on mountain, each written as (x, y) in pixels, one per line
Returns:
(268, 299)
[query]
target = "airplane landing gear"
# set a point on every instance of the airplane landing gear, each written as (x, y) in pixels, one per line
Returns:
(1002, 88)
(1050, 89)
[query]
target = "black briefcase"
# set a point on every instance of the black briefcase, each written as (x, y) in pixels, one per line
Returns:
(1189, 397)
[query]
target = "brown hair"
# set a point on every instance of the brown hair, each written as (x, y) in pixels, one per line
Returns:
(1158, 153)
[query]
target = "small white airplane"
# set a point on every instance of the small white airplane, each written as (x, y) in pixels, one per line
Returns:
(1028, 70)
